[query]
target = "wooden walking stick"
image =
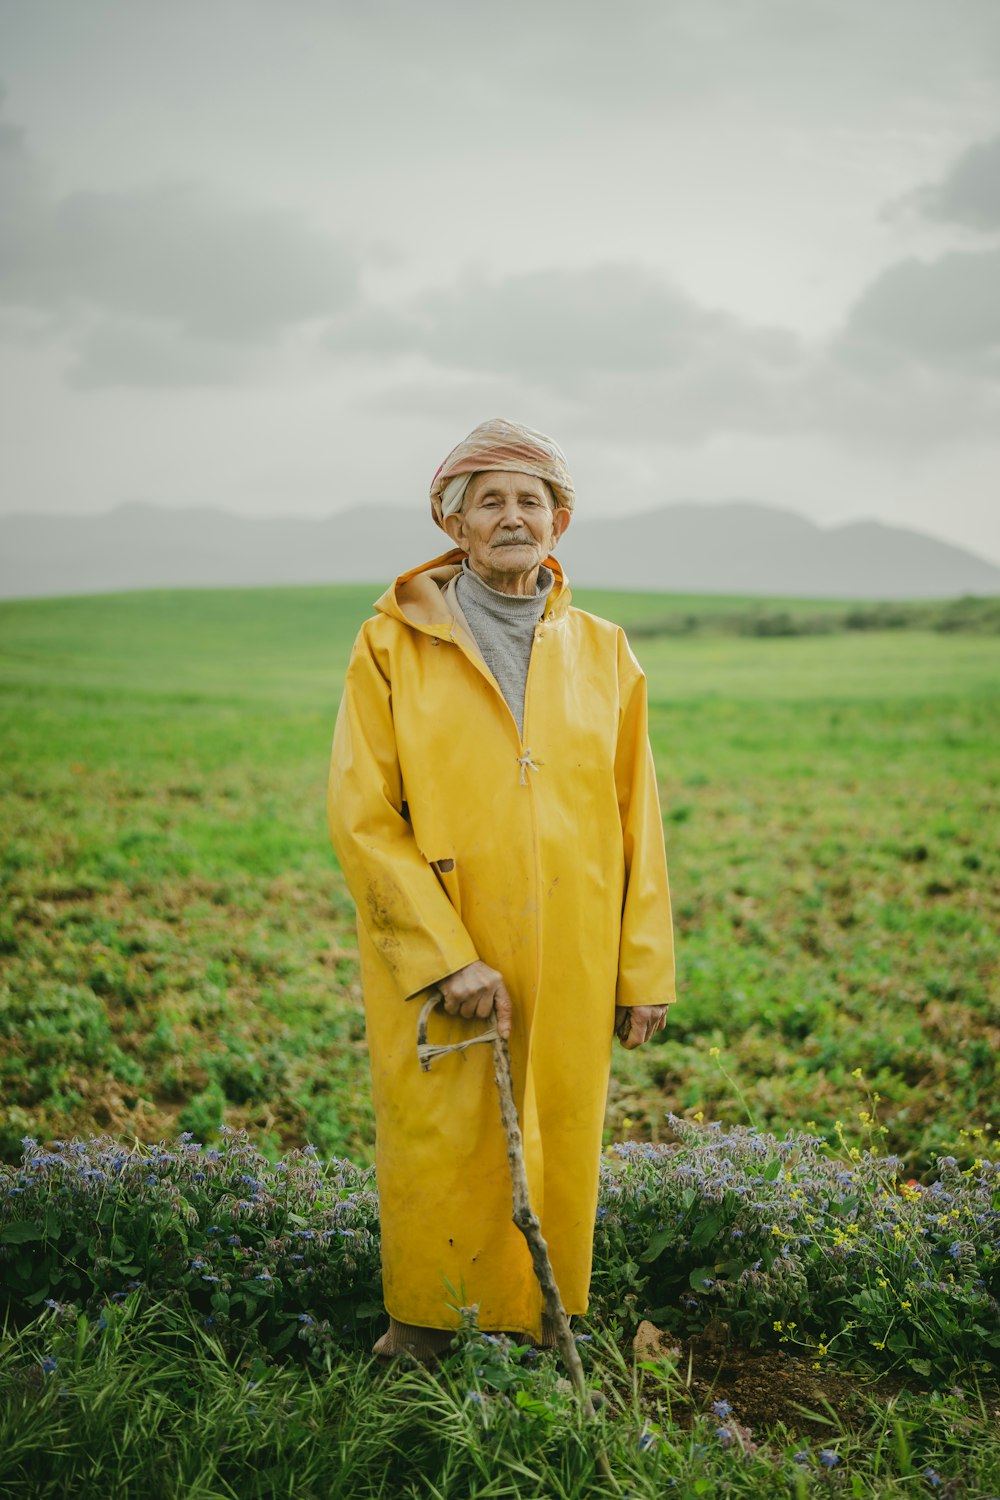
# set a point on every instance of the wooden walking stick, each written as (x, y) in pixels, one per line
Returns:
(524, 1215)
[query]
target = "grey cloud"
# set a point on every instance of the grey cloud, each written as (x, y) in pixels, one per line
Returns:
(646, 55)
(829, 392)
(132, 352)
(174, 255)
(21, 198)
(618, 346)
(944, 312)
(172, 252)
(616, 338)
(390, 79)
(969, 194)
(825, 397)
(558, 328)
(378, 331)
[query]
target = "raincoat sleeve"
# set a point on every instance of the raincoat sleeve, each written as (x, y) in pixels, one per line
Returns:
(646, 952)
(401, 904)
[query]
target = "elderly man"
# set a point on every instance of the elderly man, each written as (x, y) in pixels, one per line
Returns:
(494, 809)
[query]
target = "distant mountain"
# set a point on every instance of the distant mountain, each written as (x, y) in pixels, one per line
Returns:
(738, 548)
(743, 548)
(140, 546)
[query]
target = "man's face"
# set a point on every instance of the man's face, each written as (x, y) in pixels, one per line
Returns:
(508, 526)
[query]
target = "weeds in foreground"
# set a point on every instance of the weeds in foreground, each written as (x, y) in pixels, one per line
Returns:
(143, 1401)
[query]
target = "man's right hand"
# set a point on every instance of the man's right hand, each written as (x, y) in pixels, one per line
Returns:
(476, 990)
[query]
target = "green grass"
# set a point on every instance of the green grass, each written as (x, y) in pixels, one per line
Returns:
(178, 945)
(146, 1403)
(177, 948)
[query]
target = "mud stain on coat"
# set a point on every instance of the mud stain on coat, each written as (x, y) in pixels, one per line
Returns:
(379, 904)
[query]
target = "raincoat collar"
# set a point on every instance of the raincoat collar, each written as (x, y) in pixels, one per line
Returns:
(425, 596)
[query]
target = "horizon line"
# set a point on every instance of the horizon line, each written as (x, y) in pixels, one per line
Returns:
(829, 527)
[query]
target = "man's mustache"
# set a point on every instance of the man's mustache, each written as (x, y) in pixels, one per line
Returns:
(514, 541)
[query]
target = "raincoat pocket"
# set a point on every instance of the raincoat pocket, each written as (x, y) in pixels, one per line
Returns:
(447, 875)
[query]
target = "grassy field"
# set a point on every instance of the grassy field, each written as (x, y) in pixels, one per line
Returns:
(178, 947)
(178, 952)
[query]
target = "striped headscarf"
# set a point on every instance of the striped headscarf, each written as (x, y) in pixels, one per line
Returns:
(498, 444)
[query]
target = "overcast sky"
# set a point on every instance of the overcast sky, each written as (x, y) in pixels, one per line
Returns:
(280, 255)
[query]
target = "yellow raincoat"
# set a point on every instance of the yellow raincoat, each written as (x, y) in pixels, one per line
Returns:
(542, 857)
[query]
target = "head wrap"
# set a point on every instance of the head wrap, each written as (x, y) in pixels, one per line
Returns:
(508, 446)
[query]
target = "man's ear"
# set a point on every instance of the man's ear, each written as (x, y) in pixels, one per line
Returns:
(560, 520)
(455, 527)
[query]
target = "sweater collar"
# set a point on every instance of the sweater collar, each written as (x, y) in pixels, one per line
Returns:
(507, 606)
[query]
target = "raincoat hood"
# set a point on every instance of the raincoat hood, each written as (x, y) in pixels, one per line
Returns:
(424, 597)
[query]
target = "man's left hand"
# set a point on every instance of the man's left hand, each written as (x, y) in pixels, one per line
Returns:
(635, 1024)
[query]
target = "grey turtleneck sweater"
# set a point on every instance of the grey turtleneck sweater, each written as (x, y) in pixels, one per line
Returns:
(504, 628)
